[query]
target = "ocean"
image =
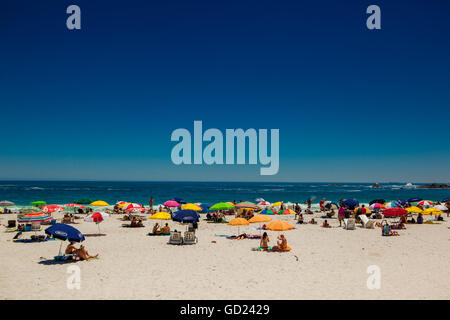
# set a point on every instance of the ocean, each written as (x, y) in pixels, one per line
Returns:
(62, 192)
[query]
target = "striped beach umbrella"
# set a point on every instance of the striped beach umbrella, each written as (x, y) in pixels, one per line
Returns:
(246, 205)
(34, 218)
(267, 211)
(287, 211)
(425, 203)
(376, 206)
(132, 206)
(391, 204)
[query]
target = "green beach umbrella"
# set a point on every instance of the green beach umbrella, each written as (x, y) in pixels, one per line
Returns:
(84, 201)
(37, 203)
(222, 206)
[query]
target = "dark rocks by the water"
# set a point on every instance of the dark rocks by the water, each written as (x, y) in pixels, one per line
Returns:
(435, 186)
(376, 185)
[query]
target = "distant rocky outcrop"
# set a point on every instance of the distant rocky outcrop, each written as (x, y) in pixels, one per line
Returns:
(376, 185)
(435, 186)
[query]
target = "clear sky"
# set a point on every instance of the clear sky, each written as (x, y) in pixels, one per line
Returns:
(101, 102)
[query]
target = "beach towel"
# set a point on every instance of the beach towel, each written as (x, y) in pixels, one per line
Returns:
(129, 226)
(32, 240)
(160, 234)
(431, 222)
(252, 236)
(270, 249)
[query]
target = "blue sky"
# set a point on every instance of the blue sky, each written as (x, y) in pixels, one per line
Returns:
(101, 102)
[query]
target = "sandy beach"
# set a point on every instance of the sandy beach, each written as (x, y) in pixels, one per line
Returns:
(323, 264)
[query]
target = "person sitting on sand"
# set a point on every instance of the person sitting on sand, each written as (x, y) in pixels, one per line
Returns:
(156, 229)
(325, 224)
(420, 218)
(264, 244)
(313, 221)
(331, 213)
(166, 229)
(308, 211)
(281, 245)
(300, 219)
(83, 254)
(71, 248)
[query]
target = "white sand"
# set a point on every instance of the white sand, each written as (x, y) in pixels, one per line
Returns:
(332, 264)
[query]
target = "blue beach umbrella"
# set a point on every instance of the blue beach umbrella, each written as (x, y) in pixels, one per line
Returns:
(185, 216)
(205, 207)
(65, 232)
(401, 202)
(350, 203)
(179, 200)
(446, 199)
(414, 199)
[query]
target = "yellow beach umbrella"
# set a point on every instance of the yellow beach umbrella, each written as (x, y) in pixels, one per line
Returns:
(161, 216)
(99, 203)
(414, 209)
(432, 211)
(191, 206)
(260, 218)
(276, 204)
(279, 225)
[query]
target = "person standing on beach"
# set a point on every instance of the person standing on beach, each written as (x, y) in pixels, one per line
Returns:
(341, 215)
(150, 203)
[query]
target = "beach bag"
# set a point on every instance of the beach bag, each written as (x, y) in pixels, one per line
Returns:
(385, 228)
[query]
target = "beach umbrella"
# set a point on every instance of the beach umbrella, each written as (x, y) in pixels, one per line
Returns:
(84, 201)
(264, 203)
(277, 204)
(97, 217)
(99, 203)
(136, 209)
(6, 203)
(377, 206)
(431, 211)
(186, 216)
(132, 206)
(416, 199)
(222, 206)
(161, 216)
(287, 211)
(441, 207)
(34, 217)
(445, 200)
(259, 219)
(259, 200)
(401, 202)
(246, 205)
(171, 204)
(179, 200)
(267, 211)
(358, 210)
(118, 203)
(191, 206)
(391, 204)
(74, 205)
(205, 207)
(52, 208)
(425, 203)
(350, 203)
(38, 203)
(279, 225)
(239, 222)
(331, 205)
(380, 201)
(414, 209)
(394, 212)
(31, 210)
(64, 232)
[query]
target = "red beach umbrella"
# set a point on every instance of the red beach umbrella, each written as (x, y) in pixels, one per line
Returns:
(52, 208)
(394, 212)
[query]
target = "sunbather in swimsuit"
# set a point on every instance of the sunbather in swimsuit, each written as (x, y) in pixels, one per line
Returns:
(264, 244)
(83, 254)
(71, 248)
(281, 245)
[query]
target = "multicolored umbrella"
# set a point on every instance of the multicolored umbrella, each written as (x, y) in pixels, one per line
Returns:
(287, 211)
(34, 218)
(52, 208)
(132, 206)
(267, 211)
(246, 205)
(391, 204)
(377, 206)
(73, 205)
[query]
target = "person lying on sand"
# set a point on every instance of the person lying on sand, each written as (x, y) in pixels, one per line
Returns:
(281, 244)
